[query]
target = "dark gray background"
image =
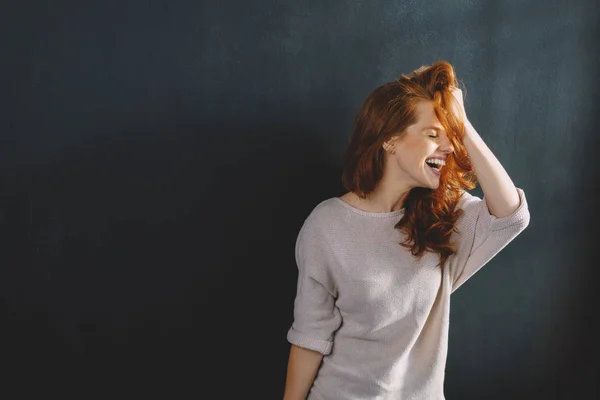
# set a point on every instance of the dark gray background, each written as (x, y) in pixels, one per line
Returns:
(158, 159)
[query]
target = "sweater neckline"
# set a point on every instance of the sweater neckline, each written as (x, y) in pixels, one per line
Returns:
(373, 214)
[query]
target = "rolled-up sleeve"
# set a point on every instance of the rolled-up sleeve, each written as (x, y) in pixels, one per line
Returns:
(480, 235)
(316, 318)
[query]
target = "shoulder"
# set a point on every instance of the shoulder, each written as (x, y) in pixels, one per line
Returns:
(324, 214)
(319, 227)
(327, 222)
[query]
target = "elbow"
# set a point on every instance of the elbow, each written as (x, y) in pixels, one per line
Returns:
(505, 207)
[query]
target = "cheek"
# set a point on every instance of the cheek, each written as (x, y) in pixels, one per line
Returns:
(421, 151)
(414, 153)
(410, 160)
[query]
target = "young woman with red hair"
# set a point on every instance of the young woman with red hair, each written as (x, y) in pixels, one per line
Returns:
(377, 265)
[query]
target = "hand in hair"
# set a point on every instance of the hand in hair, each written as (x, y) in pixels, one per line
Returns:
(459, 106)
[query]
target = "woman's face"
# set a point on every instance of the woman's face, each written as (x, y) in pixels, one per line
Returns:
(421, 142)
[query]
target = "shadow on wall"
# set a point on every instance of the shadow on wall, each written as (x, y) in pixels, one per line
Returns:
(157, 252)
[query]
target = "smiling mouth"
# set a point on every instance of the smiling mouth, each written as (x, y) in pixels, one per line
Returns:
(435, 164)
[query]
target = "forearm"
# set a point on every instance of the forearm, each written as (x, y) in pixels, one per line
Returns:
(499, 190)
(301, 371)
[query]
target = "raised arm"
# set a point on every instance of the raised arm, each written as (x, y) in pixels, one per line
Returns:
(487, 225)
(500, 193)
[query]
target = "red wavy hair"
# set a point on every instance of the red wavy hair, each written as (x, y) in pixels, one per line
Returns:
(429, 215)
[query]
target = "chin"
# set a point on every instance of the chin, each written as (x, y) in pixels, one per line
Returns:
(433, 183)
(427, 181)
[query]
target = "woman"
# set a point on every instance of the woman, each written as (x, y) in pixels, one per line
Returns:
(378, 264)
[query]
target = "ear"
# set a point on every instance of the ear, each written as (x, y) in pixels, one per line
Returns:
(390, 144)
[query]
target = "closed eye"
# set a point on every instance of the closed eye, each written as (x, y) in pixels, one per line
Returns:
(433, 131)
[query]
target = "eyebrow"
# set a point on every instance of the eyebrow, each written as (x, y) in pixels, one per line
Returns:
(435, 128)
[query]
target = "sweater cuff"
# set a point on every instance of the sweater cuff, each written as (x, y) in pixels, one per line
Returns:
(519, 217)
(310, 343)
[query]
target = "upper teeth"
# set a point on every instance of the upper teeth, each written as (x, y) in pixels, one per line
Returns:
(436, 161)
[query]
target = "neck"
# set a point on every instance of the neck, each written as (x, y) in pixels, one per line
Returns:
(387, 196)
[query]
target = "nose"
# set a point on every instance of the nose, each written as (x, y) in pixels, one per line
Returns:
(446, 145)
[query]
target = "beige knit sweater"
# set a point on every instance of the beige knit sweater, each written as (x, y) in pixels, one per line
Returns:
(379, 315)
